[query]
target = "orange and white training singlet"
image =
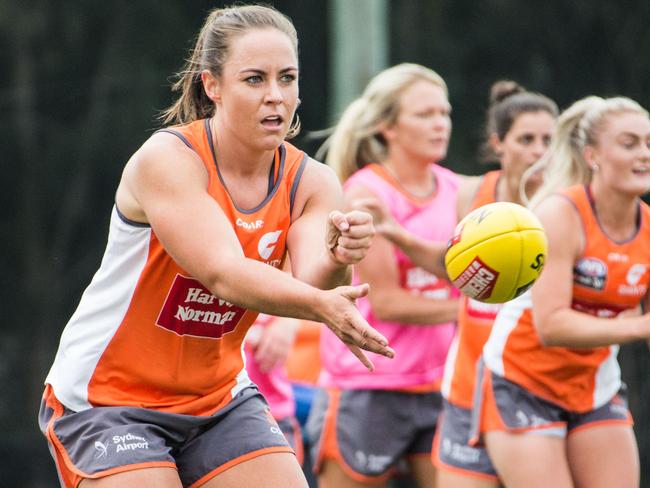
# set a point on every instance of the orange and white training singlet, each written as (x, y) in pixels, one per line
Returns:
(474, 324)
(609, 277)
(147, 334)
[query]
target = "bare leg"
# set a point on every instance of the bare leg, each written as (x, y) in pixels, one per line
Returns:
(529, 460)
(266, 471)
(604, 456)
(138, 478)
(423, 471)
(332, 476)
(448, 479)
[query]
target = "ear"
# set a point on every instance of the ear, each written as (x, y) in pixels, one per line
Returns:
(211, 86)
(386, 131)
(495, 144)
(589, 153)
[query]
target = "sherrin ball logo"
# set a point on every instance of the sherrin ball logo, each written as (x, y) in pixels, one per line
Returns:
(497, 252)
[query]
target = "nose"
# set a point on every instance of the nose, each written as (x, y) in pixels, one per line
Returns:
(441, 122)
(539, 148)
(274, 93)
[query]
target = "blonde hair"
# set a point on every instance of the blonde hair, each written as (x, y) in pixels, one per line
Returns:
(578, 126)
(211, 51)
(356, 139)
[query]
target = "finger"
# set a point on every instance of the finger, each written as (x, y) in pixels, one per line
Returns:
(339, 220)
(358, 217)
(359, 231)
(354, 243)
(361, 356)
(354, 292)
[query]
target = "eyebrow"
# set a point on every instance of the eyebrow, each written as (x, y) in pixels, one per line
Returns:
(261, 71)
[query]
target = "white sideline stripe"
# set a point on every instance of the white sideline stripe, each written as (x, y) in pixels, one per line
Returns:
(504, 323)
(99, 313)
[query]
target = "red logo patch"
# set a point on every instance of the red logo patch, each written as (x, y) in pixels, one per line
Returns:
(477, 280)
(190, 309)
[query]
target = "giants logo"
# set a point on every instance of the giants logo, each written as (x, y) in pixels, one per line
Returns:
(190, 309)
(267, 244)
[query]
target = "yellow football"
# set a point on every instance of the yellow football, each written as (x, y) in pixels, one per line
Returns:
(497, 252)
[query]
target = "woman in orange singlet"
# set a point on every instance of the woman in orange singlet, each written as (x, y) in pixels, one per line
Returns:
(553, 409)
(148, 387)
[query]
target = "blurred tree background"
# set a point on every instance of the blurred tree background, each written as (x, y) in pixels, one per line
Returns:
(82, 82)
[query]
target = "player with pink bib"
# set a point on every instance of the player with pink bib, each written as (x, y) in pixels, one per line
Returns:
(386, 146)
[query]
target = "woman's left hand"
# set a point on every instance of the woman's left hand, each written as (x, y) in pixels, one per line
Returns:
(349, 235)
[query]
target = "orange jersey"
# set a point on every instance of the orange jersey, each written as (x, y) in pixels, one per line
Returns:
(303, 363)
(608, 277)
(474, 323)
(146, 333)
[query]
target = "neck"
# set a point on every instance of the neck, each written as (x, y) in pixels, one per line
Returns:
(508, 189)
(616, 212)
(413, 176)
(236, 156)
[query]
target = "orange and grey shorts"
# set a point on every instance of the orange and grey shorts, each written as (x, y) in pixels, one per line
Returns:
(368, 433)
(102, 441)
(502, 405)
(451, 447)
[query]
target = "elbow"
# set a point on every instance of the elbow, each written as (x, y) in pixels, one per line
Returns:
(548, 336)
(382, 308)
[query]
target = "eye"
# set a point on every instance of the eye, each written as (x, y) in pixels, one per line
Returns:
(253, 80)
(628, 143)
(546, 140)
(526, 139)
(288, 78)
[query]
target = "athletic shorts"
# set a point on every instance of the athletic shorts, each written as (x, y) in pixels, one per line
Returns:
(451, 449)
(367, 432)
(506, 406)
(102, 441)
(290, 427)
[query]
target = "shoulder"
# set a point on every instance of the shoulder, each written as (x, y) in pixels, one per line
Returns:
(317, 183)
(163, 149)
(467, 190)
(318, 174)
(562, 221)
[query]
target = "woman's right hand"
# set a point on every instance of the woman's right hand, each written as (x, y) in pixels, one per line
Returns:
(343, 318)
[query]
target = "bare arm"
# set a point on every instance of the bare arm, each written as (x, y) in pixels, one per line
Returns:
(426, 254)
(165, 184)
(557, 323)
(321, 254)
(388, 299)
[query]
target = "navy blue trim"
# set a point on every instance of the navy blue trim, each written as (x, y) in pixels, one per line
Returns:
(294, 186)
(128, 221)
(177, 134)
(272, 191)
(637, 223)
(269, 187)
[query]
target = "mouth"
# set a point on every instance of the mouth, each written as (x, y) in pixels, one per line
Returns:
(273, 122)
(641, 170)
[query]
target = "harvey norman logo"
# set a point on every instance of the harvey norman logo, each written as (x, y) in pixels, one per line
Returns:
(190, 309)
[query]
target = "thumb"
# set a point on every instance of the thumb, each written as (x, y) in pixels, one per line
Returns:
(358, 291)
(339, 220)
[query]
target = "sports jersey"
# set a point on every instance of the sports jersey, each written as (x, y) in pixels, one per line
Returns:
(420, 350)
(474, 323)
(148, 334)
(608, 277)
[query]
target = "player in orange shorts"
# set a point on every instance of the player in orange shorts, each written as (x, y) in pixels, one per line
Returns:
(553, 410)
(148, 387)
